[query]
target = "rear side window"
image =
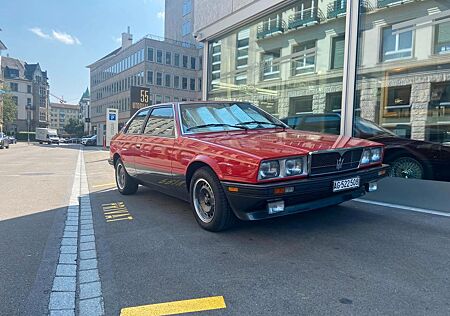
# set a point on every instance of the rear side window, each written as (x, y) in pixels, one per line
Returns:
(329, 124)
(135, 125)
(160, 123)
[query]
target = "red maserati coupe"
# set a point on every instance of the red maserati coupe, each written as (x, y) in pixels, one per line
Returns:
(232, 160)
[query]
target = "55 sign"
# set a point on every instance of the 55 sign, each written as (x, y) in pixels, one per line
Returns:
(139, 98)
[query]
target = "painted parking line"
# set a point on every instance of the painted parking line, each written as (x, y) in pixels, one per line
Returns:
(116, 211)
(404, 207)
(104, 185)
(177, 307)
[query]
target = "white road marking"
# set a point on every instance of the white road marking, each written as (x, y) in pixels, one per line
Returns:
(404, 207)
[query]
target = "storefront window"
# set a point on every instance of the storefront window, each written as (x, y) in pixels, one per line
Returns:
(286, 63)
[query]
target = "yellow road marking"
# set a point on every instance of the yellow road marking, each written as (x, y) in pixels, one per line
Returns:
(178, 307)
(117, 211)
(104, 185)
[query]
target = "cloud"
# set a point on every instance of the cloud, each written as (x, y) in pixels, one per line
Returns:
(57, 36)
(118, 40)
(65, 38)
(39, 32)
(161, 15)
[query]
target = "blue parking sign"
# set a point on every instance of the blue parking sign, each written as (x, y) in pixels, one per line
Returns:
(112, 116)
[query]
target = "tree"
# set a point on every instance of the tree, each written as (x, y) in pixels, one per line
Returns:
(9, 108)
(74, 127)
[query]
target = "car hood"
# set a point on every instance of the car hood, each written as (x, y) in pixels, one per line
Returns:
(276, 143)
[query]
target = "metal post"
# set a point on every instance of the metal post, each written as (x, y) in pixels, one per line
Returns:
(350, 59)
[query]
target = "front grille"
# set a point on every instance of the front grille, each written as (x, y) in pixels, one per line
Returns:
(334, 161)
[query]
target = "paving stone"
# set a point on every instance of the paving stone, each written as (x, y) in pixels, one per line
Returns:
(70, 234)
(91, 307)
(69, 241)
(62, 300)
(64, 284)
(86, 222)
(87, 238)
(87, 276)
(72, 222)
(69, 249)
(65, 312)
(66, 270)
(88, 264)
(90, 290)
(85, 232)
(73, 228)
(68, 258)
(88, 226)
(87, 246)
(88, 254)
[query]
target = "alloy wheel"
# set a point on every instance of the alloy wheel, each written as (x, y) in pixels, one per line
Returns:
(204, 201)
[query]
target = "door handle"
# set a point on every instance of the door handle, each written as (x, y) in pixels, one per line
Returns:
(138, 146)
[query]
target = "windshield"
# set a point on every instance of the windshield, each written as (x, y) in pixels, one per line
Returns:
(219, 117)
(368, 128)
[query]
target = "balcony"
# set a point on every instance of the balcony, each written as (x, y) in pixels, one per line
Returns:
(388, 3)
(304, 18)
(338, 8)
(270, 28)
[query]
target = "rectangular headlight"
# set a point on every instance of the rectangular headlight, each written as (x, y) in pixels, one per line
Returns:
(295, 166)
(269, 170)
(371, 155)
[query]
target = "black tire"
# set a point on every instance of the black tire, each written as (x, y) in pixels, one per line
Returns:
(220, 216)
(407, 167)
(126, 184)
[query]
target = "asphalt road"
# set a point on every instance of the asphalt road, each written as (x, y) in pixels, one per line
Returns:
(352, 259)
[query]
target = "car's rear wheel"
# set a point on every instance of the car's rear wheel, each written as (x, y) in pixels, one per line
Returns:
(408, 168)
(125, 183)
(210, 205)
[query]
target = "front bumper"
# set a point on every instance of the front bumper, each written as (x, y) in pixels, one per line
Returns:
(250, 201)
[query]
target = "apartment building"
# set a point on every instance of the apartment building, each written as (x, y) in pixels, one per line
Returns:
(2, 47)
(85, 111)
(168, 68)
(288, 58)
(29, 87)
(61, 114)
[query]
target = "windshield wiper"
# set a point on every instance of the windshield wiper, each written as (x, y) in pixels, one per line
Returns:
(261, 123)
(215, 125)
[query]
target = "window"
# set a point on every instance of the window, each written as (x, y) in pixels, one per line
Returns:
(15, 100)
(167, 99)
(168, 81)
(135, 125)
(168, 58)
(159, 56)
(176, 82)
(184, 83)
(185, 61)
(177, 59)
(337, 52)
(158, 99)
(334, 101)
(442, 38)
(161, 122)
(14, 86)
(28, 89)
(271, 67)
(187, 7)
(176, 99)
(396, 45)
(299, 105)
(28, 102)
(216, 58)
(193, 62)
(242, 48)
(192, 84)
(159, 79)
(304, 56)
(149, 77)
(186, 28)
(150, 54)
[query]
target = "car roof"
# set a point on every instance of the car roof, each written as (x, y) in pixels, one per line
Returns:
(192, 103)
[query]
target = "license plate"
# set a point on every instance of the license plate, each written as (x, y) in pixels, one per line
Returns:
(341, 185)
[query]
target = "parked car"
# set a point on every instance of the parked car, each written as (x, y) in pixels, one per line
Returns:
(4, 141)
(232, 160)
(12, 139)
(408, 158)
(89, 141)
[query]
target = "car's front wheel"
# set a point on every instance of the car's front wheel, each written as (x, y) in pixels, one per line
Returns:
(125, 183)
(210, 205)
(408, 168)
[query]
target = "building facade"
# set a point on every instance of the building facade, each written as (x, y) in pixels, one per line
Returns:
(179, 20)
(169, 68)
(85, 111)
(288, 57)
(2, 47)
(28, 85)
(61, 114)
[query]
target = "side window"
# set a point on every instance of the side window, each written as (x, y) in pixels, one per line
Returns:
(160, 123)
(136, 124)
(322, 124)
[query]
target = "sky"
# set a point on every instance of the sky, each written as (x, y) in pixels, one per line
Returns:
(65, 36)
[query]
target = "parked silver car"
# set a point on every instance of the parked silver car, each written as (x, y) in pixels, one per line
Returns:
(4, 141)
